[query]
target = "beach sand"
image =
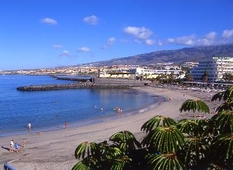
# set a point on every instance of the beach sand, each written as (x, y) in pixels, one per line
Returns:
(55, 149)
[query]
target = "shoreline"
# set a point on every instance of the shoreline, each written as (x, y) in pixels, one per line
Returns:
(88, 122)
(54, 149)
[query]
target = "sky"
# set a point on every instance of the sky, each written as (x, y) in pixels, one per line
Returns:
(53, 33)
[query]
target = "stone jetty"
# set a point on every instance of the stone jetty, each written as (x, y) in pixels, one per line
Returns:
(97, 83)
(48, 87)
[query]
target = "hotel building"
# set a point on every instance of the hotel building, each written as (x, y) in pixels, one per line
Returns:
(215, 68)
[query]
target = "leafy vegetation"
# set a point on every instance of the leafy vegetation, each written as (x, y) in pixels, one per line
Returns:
(168, 144)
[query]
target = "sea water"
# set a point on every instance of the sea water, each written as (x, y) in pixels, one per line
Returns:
(48, 110)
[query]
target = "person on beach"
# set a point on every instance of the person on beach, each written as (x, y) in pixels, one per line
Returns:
(39, 133)
(66, 125)
(29, 127)
(16, 147)
(12, 146)
(23, 143)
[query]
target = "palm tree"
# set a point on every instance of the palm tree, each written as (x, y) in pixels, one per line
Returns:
(107, 156)
(162, 142)
(188, 77)
(205, 76)
(227, 77)
(195, 148)
(171, 77)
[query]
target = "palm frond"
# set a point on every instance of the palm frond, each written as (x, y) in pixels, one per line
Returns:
(156, 122)
(228, 94)
(85, 149)
(217, 96)
(194, 105)
(188, 126)
(81, 165)
(224, 120)
(226, 141)
(165, 161)
(226, 105)
(194, 149)
(125, 140)
(164, 139)
(225, 95)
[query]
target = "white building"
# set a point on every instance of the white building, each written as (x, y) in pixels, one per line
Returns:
(139, 72)
(215, 68)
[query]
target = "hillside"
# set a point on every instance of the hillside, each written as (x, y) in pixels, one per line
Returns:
(175, 56)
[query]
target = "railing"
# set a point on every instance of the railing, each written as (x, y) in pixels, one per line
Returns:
(7, 166)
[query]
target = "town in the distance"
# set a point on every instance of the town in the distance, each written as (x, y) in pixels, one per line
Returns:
(215, 70)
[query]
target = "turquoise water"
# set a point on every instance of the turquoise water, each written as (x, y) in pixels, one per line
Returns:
(48, 110)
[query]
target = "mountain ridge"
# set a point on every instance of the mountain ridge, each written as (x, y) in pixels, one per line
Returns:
(189, 54)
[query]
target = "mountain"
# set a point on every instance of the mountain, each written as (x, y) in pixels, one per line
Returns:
(176, 56)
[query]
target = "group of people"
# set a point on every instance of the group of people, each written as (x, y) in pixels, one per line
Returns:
(14, 146)
(117, 109)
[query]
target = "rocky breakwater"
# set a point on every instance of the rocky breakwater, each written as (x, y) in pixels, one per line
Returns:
(48, 87)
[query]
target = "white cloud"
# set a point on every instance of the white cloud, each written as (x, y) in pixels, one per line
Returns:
(186, 40)
(49, 21)
(92, 20)
(171, 40)
(205, 42)
(191, 40)
(65, 53)
(227, 34)
(160, 43)
(211, 36)
(83, 49)
(57, 46)
(138, 32)
(149, 42)
(110, 42)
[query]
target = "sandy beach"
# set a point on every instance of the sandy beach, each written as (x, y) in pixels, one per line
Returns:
(55, 149)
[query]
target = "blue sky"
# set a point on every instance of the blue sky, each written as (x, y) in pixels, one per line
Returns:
(52, 33)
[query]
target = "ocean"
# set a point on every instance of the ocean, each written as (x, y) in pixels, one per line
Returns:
(49, 110)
